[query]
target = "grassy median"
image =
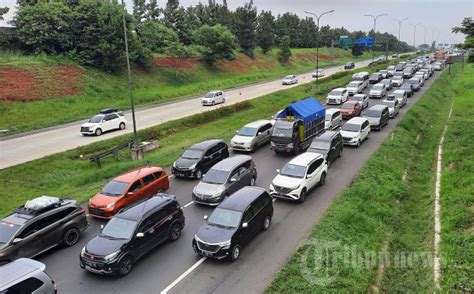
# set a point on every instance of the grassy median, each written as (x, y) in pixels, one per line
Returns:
(378, 235)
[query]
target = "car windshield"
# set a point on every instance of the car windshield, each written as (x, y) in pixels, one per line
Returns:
(353, 84)
(385, 81)
(119, 228)
(336, 92)
(358, 97)
(397, 78)
(209, 95)
(390, 104)
(192, 154)
(377, 87)
(214, 176)
(7, 230)
(328, 116)
(247, 132)
(372, 113)
(282, 132)
(96, 119)
(412, 81)
(391, 67)
(114, 188)
(288, 77)
(349, 63)
(398, 94)
(320, 145)
(348, 127)
(293, 171)
(348, 106)
(227, 218)
(374, 76)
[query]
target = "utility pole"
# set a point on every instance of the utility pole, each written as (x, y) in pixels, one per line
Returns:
(317, 39)
(414, 33)
(399, 30)
(332, 51)
(375, 34)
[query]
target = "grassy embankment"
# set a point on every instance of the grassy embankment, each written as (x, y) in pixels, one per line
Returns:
(67, 175)
(96, 89)
(386, 214)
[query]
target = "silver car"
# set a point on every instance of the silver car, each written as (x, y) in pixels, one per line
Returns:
(224, 178)
(252, 135)
(25, 275)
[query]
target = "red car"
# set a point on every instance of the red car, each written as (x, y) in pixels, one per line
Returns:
(350, 109)
(127, 189)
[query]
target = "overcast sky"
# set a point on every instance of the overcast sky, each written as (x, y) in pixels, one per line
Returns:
(438, 15)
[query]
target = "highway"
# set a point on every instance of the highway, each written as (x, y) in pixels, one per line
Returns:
(175, 267)
(26, 147)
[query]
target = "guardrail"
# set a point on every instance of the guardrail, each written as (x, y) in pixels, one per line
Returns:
(96, 158)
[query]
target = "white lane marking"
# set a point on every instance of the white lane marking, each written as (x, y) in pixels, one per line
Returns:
(183, 275)
(188, 204)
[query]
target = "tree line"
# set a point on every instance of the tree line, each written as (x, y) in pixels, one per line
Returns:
(91, 31)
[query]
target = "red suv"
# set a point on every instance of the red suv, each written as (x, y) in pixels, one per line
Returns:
(350, 109)
(127, 189)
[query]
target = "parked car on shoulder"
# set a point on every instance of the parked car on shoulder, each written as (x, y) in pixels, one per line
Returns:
(349, 65)
(350, 109)
(378, 91)
(299, 176)
(132, 233)
(337, 96)
(393, 106)
(225, 178)
(355, 87)
(39, 225)
(109, 119)
(234, 223)
(252, 135)
(212, 98)
(289, 80)
(328, 144)
(363, 100)
(378, 116)
(400, 95)
(333, 119)
(355, 131)
(25, 275)
(318, 73)
(199, 158)
(407, 88)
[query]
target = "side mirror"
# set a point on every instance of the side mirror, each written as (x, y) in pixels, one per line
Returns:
(233, 180)
(130, 194)
(140, 235)
(17, 240)
(245, 225)
(259, 133)
(206, 217)
(309, 176)
(278, 170)
(237, 132)
(101, 227)
(333, 148)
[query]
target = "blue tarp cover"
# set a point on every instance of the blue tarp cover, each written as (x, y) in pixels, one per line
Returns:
(308, 110)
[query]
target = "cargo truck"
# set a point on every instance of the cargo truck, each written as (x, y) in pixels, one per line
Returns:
(297, 125)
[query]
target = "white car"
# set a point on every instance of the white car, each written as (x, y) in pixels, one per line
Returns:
(333, 119)
(213, 98)
(422, 77)
(252, 136)
(400, 95)
(393, 106)
(437, 66)
(391, 70)
(378, 91)
(318, 73)
(299, 176)
(108, 119)
(397, 81)
(363, 100)
(355, 87)
(289, 80)
(355, 131)
(337, 96)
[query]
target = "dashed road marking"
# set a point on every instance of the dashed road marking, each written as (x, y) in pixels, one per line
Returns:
(188, 204)
(183, 275)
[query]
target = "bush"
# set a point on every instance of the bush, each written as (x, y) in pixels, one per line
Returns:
(217, 42)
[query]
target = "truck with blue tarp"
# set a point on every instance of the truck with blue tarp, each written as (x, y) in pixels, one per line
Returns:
(297, 125)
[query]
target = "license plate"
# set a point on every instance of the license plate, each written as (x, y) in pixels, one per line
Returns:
(91, 264)
(207, 254)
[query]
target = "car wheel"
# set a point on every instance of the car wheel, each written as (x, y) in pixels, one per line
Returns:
(322, 180)
(125, 265)
(328, 162)
(175, 232)
(358, 143)
(71, 237)
(302, 196)
(122, 126)
(235, 253)
(252, 182)
(198, 174)
(340, 152)
(98, 132)
(223, 100)
(267, 223)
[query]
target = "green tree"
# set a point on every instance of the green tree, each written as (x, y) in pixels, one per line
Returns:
(217, 42)
(357, 50)
(284, 52)
(156, 36)
(287, 25)
(181, 54)
(265, 31)
(140, 11)
(174, 17)
(307, 33)
(245, 24)
(466, 28)
(3, 11)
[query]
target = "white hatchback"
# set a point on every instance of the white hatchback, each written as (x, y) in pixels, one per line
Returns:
(213, 98)
(355, 131)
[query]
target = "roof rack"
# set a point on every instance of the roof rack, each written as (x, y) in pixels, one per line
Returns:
(108, 110)
(39, 205)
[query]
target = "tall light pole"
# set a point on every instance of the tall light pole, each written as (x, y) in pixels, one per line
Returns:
(424, 38)
(399, 30)
(318, 17)
(375, 23)
(414, 33)
(130, 81)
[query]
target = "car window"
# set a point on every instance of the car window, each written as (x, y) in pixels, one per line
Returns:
(312, 167)
(250, 213)
(148, 179)
(241, 170)
(26, 286)
(110, 117)
(51, 219)
(158, 174)
(336, 114)
(135, 186)
(30, 229)
(221, 146)
(319, 162)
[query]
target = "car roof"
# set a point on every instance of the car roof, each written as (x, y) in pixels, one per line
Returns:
(137, 211)
(351, 102)
(378, 107)
(332, 110)
(137, 173)
(18, 269)
(258, 123)
(241, 199)
(304, 158)
(357, 120)
(339, 89)
(379, 84)
(214, 91)
(399, 91)
(326, 136)
(204, 145)
(229, 163)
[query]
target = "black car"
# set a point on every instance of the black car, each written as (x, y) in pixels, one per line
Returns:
(39, 225)
(199, 158)
(328, 144)
(349, 65)
(234, 223)
(131, 233)
(408, 88)
(375, 78)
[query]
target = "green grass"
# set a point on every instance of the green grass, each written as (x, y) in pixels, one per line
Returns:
(65, 174)
(457, 191)
(380, 214)
(157, 85)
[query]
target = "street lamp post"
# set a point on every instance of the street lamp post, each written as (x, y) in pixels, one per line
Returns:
(414, 33)
(317, 39)
(399, 30)
(375, 40)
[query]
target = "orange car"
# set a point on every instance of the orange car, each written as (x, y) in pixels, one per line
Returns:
(127, 189)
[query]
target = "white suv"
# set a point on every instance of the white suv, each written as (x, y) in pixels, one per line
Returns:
(213, 97)
(299, 176)
(337, 96)
(355, 130)
(108, 119)
(252, 135)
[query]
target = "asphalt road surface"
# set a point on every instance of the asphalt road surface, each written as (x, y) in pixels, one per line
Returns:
(34, 145)
(175, 268)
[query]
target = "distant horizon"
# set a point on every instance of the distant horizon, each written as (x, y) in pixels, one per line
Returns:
(350, 15)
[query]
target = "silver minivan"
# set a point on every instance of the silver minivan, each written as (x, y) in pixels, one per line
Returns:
(252, 135)
(225, 178)
(25, 275)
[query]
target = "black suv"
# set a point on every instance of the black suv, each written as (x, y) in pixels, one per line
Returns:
(349, 65)
(234, 223)
(328, 144)
(375, 78)
(42, 223)
(199, 158)
(131, 233)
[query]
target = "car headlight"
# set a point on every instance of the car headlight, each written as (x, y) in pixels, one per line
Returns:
(272, 144)
(225, 244)
(271, 187)
(110, 205)
(174, 164)
(193, 166)
(296, 188)
(83, 250)
(111, 256)
(217, 194)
